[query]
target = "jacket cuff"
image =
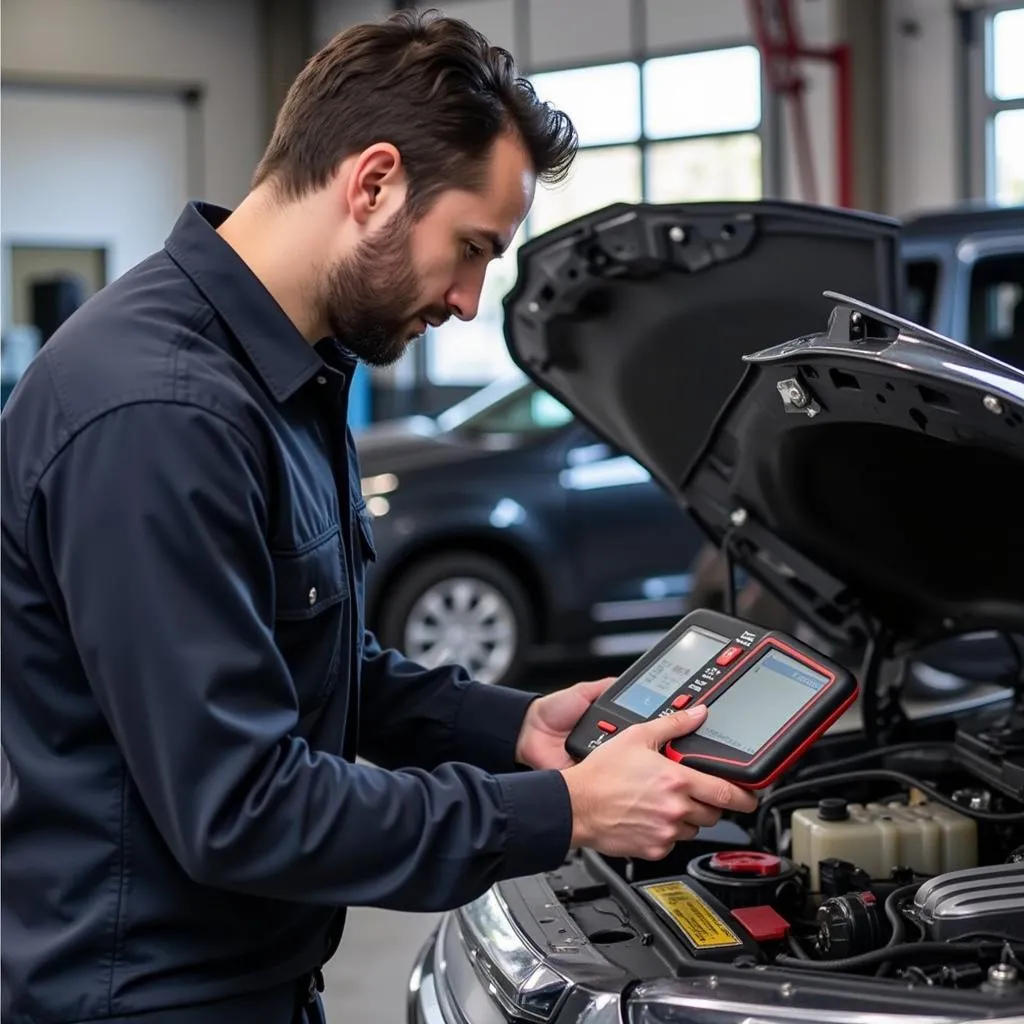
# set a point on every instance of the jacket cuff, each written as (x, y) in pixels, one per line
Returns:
(539, 816)
(487, 726)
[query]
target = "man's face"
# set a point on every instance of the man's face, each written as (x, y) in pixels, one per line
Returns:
(409, 274)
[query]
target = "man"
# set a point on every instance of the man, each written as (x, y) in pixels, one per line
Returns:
(187, 678)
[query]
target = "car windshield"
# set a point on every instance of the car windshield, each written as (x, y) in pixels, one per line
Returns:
(509, 406)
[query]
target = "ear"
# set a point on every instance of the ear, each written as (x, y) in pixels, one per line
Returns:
(377, 182)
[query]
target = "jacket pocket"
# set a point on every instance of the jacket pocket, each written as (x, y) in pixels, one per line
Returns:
(310, 579)
(311, 615)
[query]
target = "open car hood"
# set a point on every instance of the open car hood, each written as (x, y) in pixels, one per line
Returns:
(866, 470)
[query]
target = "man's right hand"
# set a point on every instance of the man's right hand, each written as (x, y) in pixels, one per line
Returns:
(629, 800)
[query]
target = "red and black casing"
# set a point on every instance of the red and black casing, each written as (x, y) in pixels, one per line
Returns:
(746, 644)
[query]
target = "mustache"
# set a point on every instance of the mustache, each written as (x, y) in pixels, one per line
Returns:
(435, 316)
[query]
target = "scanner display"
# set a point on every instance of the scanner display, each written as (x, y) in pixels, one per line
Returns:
(769, 697)
(761, 702)
(665, 676)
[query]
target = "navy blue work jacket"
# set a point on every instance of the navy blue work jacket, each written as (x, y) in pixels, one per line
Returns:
(187, 679)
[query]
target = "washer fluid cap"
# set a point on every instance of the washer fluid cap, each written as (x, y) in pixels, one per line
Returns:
(833, 808)
(746, 862)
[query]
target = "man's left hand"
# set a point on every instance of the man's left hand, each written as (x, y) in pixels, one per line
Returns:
(548, 722)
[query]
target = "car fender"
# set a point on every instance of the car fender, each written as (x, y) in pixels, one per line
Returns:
(461, 519)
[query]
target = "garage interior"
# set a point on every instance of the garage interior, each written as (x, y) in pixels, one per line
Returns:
(895, 107)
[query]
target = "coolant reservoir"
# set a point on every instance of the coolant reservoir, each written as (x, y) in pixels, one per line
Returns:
(830, 830)
(928, 838)
(958, 835)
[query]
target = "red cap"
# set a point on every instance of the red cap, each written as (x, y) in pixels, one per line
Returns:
(763, 923)
(747, 862)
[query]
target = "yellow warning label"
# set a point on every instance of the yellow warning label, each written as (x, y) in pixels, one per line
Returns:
(693, 917)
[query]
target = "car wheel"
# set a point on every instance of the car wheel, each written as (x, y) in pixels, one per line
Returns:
(460, 609)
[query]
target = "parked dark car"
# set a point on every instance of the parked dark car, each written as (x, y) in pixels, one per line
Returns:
(868, 474)
(508, 533)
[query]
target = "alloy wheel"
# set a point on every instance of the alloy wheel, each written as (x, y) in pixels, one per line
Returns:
(463, 621)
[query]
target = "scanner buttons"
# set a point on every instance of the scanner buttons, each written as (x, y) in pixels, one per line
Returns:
(729, 655)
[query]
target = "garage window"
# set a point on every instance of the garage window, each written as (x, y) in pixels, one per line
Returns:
(642, 137)
(599, 177)
(603, 101)
(1005, 106)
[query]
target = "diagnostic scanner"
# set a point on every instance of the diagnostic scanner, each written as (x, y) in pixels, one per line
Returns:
(769, 697)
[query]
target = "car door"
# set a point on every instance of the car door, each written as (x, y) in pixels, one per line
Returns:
(631, 544)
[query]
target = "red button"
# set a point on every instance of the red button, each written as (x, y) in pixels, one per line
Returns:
(729, 655)
(681, 701)
(763, 923)
(607, 727)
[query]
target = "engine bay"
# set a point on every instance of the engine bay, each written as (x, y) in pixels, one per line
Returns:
(885, 869)
(903, 863)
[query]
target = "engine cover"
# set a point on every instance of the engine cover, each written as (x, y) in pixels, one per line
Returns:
(974, 901)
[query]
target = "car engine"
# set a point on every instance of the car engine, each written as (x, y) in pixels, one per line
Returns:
(905, 862)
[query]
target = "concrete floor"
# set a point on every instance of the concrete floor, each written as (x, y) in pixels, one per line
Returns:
(366, 980)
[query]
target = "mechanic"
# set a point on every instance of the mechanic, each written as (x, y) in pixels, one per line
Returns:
(187, 676)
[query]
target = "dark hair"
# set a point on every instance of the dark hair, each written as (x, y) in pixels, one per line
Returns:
(430, 85)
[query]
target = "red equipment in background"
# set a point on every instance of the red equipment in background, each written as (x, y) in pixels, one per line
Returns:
(782, 49)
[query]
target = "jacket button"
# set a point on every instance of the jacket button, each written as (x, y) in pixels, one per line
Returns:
(312, 595)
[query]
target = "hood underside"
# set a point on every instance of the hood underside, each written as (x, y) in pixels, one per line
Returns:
(873, 472)
(886, 498)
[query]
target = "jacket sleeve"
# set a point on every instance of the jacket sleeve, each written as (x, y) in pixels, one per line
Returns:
(417, 716)
(154, 521)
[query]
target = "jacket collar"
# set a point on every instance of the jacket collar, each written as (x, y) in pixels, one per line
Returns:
(282, 357)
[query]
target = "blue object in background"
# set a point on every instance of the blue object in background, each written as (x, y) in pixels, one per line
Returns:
(359, 400)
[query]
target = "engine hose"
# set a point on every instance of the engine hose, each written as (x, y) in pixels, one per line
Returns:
(872, 755)
(876, 775)
(887, 954)
(894, 912)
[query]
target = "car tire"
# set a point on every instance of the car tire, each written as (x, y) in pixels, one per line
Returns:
(461, 608)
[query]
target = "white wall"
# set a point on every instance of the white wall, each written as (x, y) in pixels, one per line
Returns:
(213, 43)
(331, 16)
(923, 143)
(126, 155)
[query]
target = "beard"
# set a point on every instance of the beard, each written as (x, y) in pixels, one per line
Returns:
(369, 300)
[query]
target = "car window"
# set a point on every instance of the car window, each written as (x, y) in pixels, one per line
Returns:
(922, 288)
(527, 410)
(996, 307)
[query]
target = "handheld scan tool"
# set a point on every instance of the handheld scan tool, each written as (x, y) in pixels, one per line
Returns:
(769, 697)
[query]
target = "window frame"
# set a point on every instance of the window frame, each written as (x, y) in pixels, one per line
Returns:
(768, 132)
(983, 106)
(768, 129)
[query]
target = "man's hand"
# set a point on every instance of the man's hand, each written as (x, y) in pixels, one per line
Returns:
(550, 719)
(629, 800)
